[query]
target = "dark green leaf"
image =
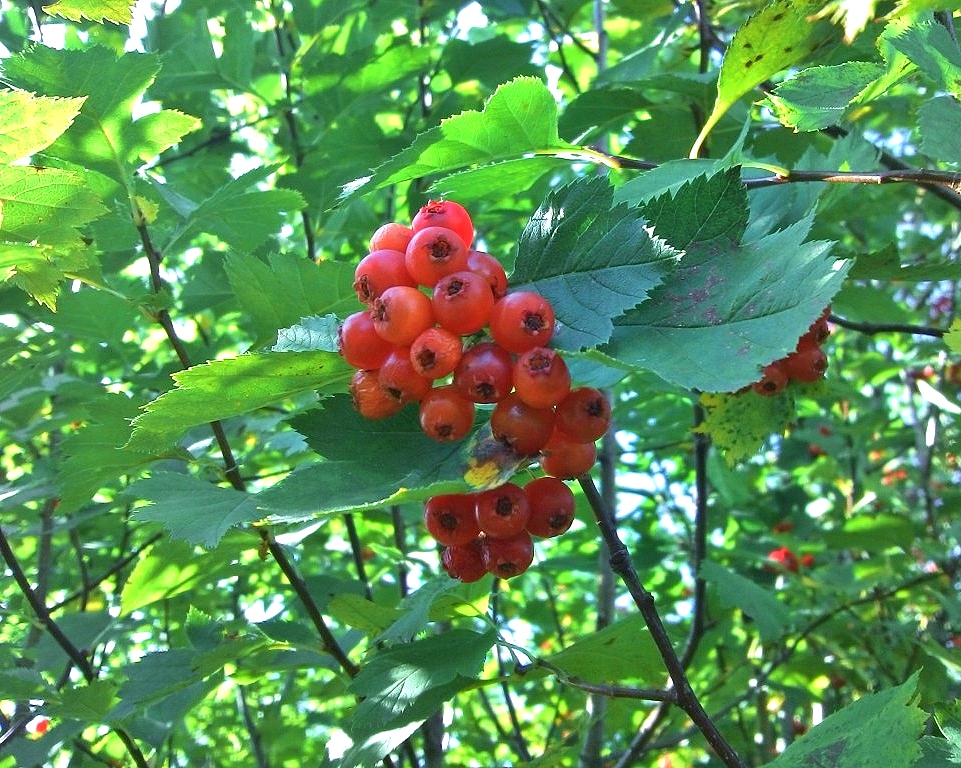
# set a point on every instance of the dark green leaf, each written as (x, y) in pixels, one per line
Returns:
(622, 651)
(938, 120)
(771, 617)
(818, 97)
(591, 259)
(929, 46)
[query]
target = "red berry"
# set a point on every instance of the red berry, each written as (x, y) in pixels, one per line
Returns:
(378, 271)
(445, 415)
(552, 507)
(401, 314)
(465, 562)
(806, 364)
(484, 373)
(784, 557)
(435, 353)
(434, 252)
(502, 512)
(509, 557)
(522, 321)
(371, 400)
(773, 379)
(491, 269)
(524, 428)
(462, 302)
(585, 414)
(359, 343)
(450, 518)
(391, 235)
(566, 458)
(399, 379)
(541, 378)
(445, 213)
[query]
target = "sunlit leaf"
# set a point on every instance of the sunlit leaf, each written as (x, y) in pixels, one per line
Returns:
(28, 123)
(117, 11)
(819, 97)
(739, 423)
(622, 651)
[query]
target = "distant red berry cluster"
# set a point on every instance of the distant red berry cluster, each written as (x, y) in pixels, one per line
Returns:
(806, 363)
(784, 558)
(440, 329)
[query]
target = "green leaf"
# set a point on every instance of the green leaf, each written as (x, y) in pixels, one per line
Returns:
(363, 466)
(519, 118)
(930, 46)
(192, 509)
(879, 730)
(90, 702)
(953, 337)
(818, 97)
(476, 183)
(731, 307)
(173, 567)
(240, 213)
(871, 533)
(117, 11)
(593, 260)
(734, 590)
(28, 123)
(224, 388)
(307, 288)
(103, 136)
(361, 613)
(938, 120)
(624, 650)
(310, 334)
(410, 681)
(778, 36)
(739, 423)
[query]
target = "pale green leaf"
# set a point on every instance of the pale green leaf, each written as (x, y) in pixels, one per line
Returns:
(519, 118)
(91, 701)
(310, 334)
(592, 259)
(879, 730)
(739, 423)
(224, 388)
(734, 590)
(818, 97)
(152, 134)
(624, 650)
(191, 509)
(931, 48)
(778, 36)
(953, 337)
(117, 11)
(28, 123)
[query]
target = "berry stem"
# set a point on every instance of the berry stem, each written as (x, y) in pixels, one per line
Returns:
(623, 566)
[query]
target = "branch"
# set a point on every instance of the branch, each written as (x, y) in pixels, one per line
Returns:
(873, 328)
(66, 644)
(644, 600)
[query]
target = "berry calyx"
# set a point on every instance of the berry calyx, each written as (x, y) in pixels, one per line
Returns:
(502, 512)
(807, 364)
(551, 507)
(774, 378)
(436, 353)
(506, 558)
(521, 321)
(450, 519)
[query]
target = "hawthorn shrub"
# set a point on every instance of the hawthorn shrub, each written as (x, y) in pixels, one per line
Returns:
(210, 557)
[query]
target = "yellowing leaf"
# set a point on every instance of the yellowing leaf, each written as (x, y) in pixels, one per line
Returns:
(738, 423)
(953, 337)
(29, 123)
(117, 11)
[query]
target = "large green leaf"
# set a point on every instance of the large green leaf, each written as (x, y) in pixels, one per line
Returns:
(931, 48)
(519, 118)
(28, 123)
(192, 509)
(879, 730)
(778, 36)
(731, 307)
(224, 388)
(622, 651)
(938, 120)
(593, 260)
(367, 463)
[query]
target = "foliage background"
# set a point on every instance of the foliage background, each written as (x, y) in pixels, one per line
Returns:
(211, 560)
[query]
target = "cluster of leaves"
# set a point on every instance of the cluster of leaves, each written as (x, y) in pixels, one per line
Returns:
(194, 514)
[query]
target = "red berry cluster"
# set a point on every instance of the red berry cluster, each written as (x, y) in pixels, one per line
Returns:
(490, 531)
(806, 363)
(440, 329)
(785, 559)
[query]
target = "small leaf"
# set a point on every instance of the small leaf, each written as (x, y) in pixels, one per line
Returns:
(224, 388)
(953, 337)
(617, 652)
(519, 118)
(879, 730)
(117, 11)
(28, 123)
(738, 424)
(773, 39)
(818, 97)
(309, 335)
(770, 615)
(592, 259)
(191, 509)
